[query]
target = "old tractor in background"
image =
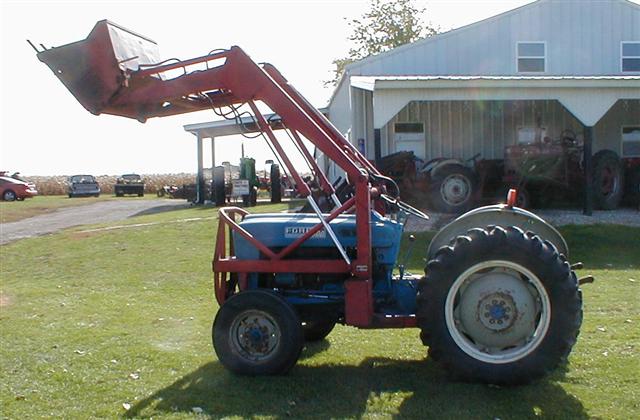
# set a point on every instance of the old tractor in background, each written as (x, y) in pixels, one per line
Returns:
(446, 185)
(547, 167)
(499, 302)
(540, 171)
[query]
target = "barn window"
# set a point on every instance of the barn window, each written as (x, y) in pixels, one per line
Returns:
(631, 141)
(409, 136)
(630, 56)
(531, 57)
(409, 128)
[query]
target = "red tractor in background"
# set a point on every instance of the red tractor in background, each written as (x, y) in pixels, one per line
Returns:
(543, 167)
(539, 171)
(498, 303)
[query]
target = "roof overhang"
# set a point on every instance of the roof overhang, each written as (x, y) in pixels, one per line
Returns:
(588, 98)
(241, 125)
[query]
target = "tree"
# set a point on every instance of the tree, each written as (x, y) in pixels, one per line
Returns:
(386, 25)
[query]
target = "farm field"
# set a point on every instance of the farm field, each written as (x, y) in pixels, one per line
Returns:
(117, 322)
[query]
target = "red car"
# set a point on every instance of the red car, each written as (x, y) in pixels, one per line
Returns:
(13, 189)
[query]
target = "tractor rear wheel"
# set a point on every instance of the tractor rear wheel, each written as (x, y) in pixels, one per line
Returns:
(608, 180)
(499, 306)
(453, 189)
(257, 332)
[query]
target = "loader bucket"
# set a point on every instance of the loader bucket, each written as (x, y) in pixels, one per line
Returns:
(94, 69)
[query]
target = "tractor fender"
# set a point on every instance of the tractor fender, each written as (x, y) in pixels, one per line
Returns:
(433, 166)
(497, 215)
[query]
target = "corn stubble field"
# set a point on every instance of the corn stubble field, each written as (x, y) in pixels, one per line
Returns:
(117, 322)
(57, 185)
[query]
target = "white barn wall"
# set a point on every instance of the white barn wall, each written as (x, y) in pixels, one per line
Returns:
(461, 129)
(582, 37)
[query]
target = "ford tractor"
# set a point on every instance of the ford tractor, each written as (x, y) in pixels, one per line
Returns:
(499, 302)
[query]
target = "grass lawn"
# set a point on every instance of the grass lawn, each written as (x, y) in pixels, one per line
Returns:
(117, 322)
(11, 211)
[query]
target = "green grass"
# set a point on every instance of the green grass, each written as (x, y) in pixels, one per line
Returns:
(92, 320)
(11, 211)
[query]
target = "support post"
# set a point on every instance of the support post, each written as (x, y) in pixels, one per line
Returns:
(213, 152)
(377, 146)
(200, 175)
(588, 170)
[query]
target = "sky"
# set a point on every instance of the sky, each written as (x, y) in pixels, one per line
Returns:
(45, 131)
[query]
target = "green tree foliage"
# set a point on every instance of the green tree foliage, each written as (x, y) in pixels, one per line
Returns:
(386, 25)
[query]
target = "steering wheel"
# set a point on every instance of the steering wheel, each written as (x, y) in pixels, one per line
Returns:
(401, 205)
(568, 137)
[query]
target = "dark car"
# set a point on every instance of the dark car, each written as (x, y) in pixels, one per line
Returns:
(14, 189)
(129, 184)
(83, 185)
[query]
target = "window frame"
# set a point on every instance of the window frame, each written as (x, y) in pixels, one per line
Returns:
(395, 125)
(622, 57)
(518, 57)
(622, 128)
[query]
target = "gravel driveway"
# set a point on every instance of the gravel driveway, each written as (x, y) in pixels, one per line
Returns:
(623, 216)
(103, 211)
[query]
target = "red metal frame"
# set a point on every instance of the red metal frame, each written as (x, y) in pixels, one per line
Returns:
(142, 92)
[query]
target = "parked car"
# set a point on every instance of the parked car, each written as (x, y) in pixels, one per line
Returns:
(129, 184)
(14, 189)
(83, 185)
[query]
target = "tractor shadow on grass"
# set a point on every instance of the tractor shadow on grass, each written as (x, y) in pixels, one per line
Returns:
(393, 388)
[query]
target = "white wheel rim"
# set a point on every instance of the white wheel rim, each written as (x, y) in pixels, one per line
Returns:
(504, 316)
(255, 335)
(455, 189)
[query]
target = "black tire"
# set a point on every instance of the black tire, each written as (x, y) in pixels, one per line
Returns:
(276, 185)
(633, 188)
(270, 313)
(70, 195)
(317, 329)
(219, 194)
(608, 180)
(9, 195)
(453, 189)
(474, 284)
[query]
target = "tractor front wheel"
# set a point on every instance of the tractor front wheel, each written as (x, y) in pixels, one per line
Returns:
(499, 306)
(257, 332)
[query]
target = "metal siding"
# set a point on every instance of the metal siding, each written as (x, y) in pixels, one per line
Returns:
(583, 38)
(608, 133)
(462, 129)
(339, 109)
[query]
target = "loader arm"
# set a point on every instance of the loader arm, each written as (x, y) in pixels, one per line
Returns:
(116, 71)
